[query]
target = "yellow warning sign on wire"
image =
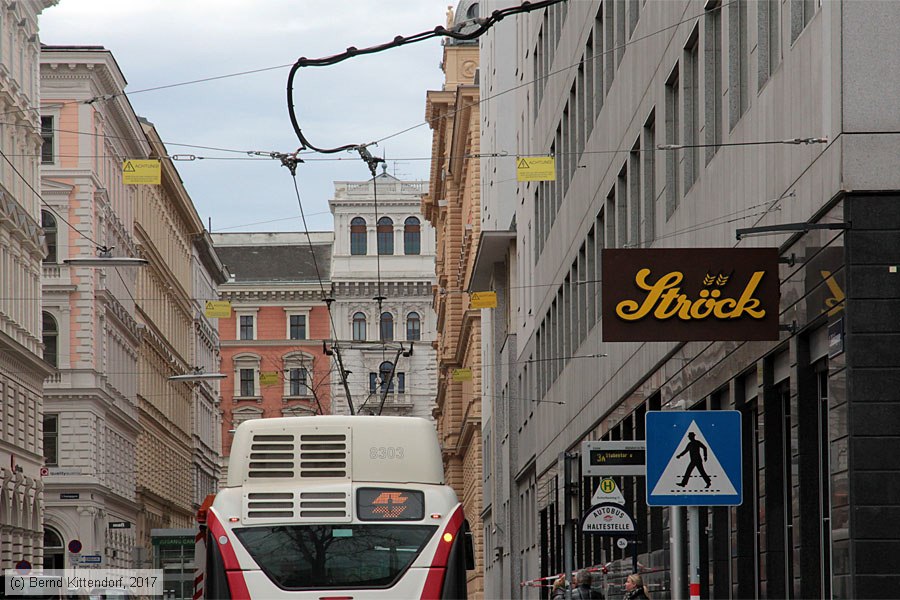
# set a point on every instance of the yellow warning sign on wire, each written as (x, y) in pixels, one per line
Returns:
(217, 309)
(268, 378)
(483, 300)
(536, 168)
(462, 374)
(141, 172)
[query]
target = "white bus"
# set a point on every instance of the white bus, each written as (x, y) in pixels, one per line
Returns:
(334, 507)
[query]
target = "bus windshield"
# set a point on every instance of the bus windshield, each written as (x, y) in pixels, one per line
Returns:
(299, 557)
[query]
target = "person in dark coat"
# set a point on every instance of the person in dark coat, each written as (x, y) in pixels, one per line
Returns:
(583, 589)
(634, 588)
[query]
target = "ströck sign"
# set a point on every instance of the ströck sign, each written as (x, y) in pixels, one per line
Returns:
(690, 294)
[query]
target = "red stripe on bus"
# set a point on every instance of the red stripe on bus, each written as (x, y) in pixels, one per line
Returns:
(233, 572)
(434, 582)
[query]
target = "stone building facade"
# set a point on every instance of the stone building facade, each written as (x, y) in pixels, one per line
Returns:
(22, 371)
(799, 141)
(167, 230)
(453, 207)
(272, 350)
(90, 316)
(390, 244)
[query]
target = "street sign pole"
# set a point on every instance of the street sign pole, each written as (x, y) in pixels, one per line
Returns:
(694, 543)
(677, 545)
(568, 526)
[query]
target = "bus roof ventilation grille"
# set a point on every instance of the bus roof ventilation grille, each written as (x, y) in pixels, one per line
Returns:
(271, 457)
(324, 455)
(270, 505)
(323, 505)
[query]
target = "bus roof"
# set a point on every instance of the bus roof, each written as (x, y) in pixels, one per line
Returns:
(335, 448)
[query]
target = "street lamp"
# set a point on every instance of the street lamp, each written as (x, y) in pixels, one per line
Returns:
(105, 258)
(198, 374)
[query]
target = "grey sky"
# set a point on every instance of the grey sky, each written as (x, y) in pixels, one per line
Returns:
(160, 42)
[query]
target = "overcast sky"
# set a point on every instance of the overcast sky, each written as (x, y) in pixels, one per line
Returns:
(161, 42)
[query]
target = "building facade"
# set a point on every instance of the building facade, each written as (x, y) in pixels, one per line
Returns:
(453, 207)
(90, 318)
(668, 123)
(22, 371)
(272, 350)
(206, 424)
(167, 228)
(383, 250)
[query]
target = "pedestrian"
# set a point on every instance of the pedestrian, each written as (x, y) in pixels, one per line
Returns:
(635, 589)
(559, 588)
(583, 589)
(694, 447)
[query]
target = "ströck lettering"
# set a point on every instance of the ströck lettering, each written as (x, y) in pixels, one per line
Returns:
(664, 300)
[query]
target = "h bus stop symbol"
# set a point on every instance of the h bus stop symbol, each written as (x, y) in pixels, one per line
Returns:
(694, 458)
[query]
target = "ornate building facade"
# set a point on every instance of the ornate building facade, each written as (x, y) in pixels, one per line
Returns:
(90, 317)
(453, 207)
(22, 371)
(167, 231)
(272, 350)
(386, 251)
(206, 425)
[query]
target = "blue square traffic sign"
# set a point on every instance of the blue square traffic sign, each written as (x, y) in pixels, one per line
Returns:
(694, 458)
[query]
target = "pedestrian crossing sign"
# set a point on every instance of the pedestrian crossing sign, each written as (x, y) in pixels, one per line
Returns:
(694, 458)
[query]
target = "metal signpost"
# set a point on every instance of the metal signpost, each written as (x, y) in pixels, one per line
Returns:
(693, 460)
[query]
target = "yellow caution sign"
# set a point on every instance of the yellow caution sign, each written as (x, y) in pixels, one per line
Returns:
(536, 168)
(141, 172)
(462, 374)
(217, 309)
(483, 300)
(268, 378)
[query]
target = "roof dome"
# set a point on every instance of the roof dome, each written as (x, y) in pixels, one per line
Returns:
(466, 10)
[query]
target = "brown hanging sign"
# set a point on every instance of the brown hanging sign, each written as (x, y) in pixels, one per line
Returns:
(690, 294)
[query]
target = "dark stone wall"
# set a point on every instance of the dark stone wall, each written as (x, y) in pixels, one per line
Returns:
(873, 392)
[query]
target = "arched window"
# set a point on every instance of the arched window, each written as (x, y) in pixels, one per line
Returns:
(359, 327)
(411, 236)
(387, 327)
(413, 327)
(472, 12)
(385, 236)
(48, 222)
(358, 236)
(51, 338)
(378, 381)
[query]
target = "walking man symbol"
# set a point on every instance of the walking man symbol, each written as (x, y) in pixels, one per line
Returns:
(694, 447)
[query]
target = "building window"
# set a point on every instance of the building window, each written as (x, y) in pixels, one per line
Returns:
(691, 96)
(768, 39)
(673, 137)
(738, 59)
(358, 236)
(413, 327)
(297, 327)
(378, 381)
(51, 438)
(385, 236)
(387, 327)
(246, 327)
(359, 327)
(47, 154)
(412, 243)
(802, 12)
(48, 223)
(713, 90)
(248, 384)
(298, 382)
(50, 334)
